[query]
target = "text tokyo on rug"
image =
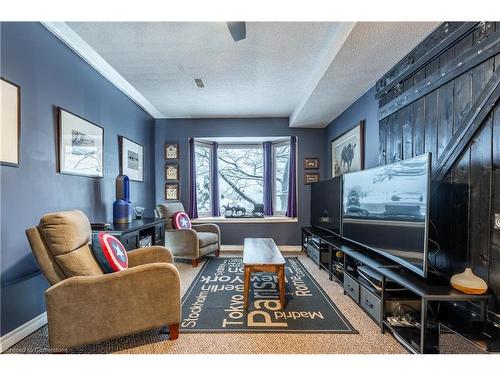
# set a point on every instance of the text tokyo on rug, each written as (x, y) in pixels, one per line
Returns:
(214, 302)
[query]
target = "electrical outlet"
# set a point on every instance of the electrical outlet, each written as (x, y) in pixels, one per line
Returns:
(497, 221)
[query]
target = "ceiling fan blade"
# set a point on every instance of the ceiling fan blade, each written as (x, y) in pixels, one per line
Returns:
(238, 30)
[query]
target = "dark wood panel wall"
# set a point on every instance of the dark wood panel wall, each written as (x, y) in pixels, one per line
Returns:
(423, 112)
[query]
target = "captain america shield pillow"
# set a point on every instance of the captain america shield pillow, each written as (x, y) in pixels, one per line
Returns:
(180, 220)
(109, 252)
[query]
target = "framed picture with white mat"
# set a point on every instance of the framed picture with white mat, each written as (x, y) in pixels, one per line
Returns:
(131, 159)
(10, 122)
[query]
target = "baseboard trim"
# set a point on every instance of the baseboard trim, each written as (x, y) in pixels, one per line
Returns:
(287, 248)
(12, 337)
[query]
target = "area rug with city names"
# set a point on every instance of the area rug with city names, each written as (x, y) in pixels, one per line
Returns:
(214, 302)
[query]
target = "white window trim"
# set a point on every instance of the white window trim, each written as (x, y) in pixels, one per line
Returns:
(210, 174)
(238, 146)
(277, 216)
(267, 219)
(273, 184)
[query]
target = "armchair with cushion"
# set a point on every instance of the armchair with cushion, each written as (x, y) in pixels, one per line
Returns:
(86, 306)
(201, 240)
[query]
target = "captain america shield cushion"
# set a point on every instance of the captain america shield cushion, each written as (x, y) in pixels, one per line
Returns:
(180, 220)
(109, 252)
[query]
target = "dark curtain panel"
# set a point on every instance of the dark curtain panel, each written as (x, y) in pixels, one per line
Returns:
(193, 205)
(215, 181)
(268, 178)
(291, 210)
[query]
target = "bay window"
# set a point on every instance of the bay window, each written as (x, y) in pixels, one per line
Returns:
(281, 164)
(203, 155)
(239, 181)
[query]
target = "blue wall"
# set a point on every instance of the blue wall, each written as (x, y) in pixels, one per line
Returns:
(51, 75)
(310, 144)
(365, 108)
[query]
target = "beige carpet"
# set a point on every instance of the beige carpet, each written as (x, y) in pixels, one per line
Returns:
(369, 339)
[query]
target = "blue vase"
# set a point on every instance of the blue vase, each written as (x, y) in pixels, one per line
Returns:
(122, 212)
(122, 208)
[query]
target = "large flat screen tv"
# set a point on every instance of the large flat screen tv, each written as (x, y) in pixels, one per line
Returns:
(386, 209)
(326, 205)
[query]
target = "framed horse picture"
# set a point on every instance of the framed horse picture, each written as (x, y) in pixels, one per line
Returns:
(348, 150)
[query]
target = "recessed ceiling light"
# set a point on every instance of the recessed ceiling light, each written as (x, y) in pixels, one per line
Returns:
(199, 82)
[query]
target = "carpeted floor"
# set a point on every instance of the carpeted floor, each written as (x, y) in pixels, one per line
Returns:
(369, 339)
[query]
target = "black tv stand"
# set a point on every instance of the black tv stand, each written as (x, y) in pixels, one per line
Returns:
(422, 295)
(393, 266)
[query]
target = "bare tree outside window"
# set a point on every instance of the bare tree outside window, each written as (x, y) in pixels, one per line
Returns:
(241, 176)
(281, 174)
(203, 156)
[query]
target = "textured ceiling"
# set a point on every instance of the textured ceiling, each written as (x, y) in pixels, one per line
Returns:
(262, 75)
(310, 71)
(370, 50)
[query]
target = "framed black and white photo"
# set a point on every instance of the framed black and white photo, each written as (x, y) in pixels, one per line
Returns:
(81, 145)
(171, 192)
(171, 151)
(10, 122)
(348, 151)
(172, 172)
(131, 159)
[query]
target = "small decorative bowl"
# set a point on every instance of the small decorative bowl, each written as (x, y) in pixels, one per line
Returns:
(139, 211)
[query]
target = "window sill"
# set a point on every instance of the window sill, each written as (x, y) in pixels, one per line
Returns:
(264, 220)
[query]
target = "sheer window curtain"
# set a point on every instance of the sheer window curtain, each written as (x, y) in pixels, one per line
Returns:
(291, 210)
(268, 177)
(193, 204)
(215, 181)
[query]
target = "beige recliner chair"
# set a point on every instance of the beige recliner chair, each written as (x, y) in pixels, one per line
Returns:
(86, 306)
(201, 240)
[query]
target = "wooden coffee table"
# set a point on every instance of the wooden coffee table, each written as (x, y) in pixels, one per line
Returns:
(262, 255)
